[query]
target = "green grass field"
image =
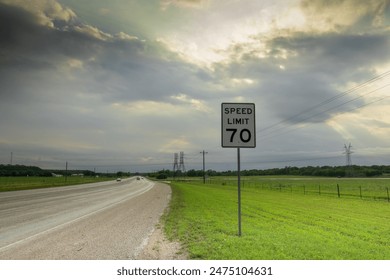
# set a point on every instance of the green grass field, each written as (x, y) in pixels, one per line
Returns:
(276, 224)
(25, 183)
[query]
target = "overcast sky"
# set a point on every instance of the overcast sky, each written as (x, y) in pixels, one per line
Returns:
(123, 85)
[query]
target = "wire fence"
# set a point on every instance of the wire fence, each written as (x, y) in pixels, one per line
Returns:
(363, 191)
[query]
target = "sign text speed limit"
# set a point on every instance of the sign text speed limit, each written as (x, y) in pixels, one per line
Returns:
(238, 125)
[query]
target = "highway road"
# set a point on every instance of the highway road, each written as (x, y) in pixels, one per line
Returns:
(107, 220)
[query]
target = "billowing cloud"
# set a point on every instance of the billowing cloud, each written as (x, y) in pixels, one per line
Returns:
(341, 15)
(46, 12)
(117, 66)
(182, 3)
(63, 79)
(76, 90)
(294, 70)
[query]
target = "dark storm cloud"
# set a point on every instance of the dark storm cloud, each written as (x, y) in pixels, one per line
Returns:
(320, 67)
(115, 67)
(79, 92)
(144, 76)
(25, 39)
(69, 87)
(31, 54)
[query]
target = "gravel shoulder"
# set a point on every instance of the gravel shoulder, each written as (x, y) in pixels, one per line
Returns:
(158, 247)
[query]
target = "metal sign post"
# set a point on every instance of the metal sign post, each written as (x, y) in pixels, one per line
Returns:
(238, 131)
(239, 190)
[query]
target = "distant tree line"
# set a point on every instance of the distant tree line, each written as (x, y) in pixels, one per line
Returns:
(8, 170)
(22, 170)
(324, 171)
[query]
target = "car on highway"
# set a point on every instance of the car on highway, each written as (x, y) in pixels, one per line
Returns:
(118, 179)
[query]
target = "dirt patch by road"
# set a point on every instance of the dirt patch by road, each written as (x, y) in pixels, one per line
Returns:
(158, 247)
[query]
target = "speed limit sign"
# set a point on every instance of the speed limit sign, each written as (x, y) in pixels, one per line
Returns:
(238, 125)
(238, 131)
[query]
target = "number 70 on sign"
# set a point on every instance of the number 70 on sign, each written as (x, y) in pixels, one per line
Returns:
(238, 125)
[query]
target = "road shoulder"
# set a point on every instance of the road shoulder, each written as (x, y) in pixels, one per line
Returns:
(159, 247)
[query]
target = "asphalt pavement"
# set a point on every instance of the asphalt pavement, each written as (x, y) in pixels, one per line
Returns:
(107, 220)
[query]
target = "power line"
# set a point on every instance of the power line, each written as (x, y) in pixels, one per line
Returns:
(342, 94)
(270, 134)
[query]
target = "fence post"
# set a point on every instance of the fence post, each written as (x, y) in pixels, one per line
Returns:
(338, 190)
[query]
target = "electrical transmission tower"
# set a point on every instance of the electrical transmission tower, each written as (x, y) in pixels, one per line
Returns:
(348, 161)
(175, 162)
(348, 153)
(181, 163)
(178, 164)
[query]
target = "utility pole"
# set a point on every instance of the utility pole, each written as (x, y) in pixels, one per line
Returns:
(204, 170)
(239, 189)
(12, 154)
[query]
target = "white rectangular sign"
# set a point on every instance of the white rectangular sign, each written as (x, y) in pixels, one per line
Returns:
(238, 125)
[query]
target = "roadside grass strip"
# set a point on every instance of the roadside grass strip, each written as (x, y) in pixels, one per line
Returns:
(27, 183)
(276, 225)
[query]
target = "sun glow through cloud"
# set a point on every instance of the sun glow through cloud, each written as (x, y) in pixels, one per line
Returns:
(149, 76)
